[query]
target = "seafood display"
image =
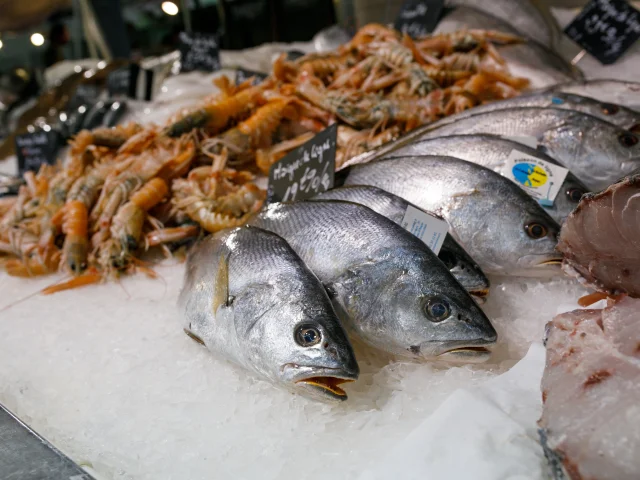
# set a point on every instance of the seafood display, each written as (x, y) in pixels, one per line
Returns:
(387, 286)
(590, 393)
(264, 310)
(600, 240)
(459, 262)
(502, 228)
(492, 151)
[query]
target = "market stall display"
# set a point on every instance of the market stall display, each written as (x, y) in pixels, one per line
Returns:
(435, 129)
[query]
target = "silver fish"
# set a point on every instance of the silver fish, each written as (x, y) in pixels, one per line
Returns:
(492, 151)
(597, 152)
(530, 60)
(503, 228)
(609, 112)
(387, 286)
(248, 297)
(605, 90)
(522, 15)
(459, 262)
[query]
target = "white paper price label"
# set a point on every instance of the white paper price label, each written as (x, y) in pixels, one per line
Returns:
(431, 230)
(539, 178)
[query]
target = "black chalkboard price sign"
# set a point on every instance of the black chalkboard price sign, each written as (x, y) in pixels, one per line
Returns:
(306, 171)
(199, 51)
(242, 75)
(605, 29)
(35, 149)
(119, 82)
(418, 18)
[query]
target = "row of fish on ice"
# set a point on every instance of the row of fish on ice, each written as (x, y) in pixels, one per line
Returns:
(279, 296)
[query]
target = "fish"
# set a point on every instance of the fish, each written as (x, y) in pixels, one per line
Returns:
(249, 298)
(597, 152)
(387, 286)
(609, 112)
(522, 15)
(501, 227)
(532, 60)
(491, 151)
(618, 92)
(590, 393)
(460, 264)
(600, 240)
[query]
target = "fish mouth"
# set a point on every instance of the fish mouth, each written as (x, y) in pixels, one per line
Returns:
(328, 386)
(466, 354)
(553, 261)
(479, 295)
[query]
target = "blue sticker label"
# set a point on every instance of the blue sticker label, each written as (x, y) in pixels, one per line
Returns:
(557, 101)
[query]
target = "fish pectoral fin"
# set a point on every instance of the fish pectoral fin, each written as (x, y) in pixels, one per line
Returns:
(221, 289)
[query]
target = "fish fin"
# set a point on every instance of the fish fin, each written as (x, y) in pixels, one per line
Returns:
(221, 291)
(193, 336)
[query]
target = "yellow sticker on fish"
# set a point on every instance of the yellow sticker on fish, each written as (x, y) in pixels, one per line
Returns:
(530, 175)
(539, 178)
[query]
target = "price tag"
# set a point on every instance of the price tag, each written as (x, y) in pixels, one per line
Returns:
(35, 149)
(428, 228)
(199, 52)
(605, 29)
(418, 18)
(119, 82)
(306, 171)
(539, 178)
(242, 75)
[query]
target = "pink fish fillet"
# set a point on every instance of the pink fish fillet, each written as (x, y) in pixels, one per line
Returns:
(590, 425)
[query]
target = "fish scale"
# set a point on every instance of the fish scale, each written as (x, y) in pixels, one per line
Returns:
(597, 152)
(488, 214)
(492, 151)
(386, 285)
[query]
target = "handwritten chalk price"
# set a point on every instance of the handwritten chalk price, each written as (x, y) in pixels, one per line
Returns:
(199, 51)
(306, 171)
(605, 29)
(418, 18)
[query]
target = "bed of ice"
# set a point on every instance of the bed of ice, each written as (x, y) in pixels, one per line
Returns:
(106, 374)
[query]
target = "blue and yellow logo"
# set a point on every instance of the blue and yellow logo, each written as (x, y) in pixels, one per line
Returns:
(530, 175)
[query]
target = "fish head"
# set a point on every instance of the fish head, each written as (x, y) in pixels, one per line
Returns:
(299, 344)
(597, 148)
(409, 304)
(513, 236)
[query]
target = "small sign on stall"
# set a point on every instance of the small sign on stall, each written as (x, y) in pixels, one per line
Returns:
(418, 18)
(35, 149)
(605, 29)
(306, 171)
(199, 51)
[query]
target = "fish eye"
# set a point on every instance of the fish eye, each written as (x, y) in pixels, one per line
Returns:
(535, 230)
(575, 194)
(627, 139)
(448, 259)
(610, 109)
(437, 309)
(307, 335)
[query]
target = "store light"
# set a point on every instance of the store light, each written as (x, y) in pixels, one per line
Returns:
(37, 39)
(169, 8)
(1, 44)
